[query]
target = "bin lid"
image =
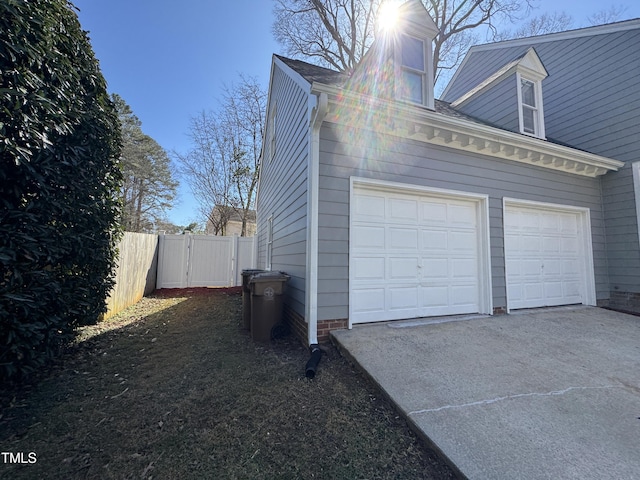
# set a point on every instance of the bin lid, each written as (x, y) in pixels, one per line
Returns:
(269, 277)
(252, 271)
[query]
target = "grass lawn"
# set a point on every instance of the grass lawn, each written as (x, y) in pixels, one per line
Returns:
(173, 388)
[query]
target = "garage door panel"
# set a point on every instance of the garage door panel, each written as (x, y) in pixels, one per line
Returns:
(569, 245)
(368, 268)
(434, 240)
(464, 295)
(435, 269)
(572, 289)
(403, 268)
(463, 215)
(464, 242)
(368, 237)
(464, 268)
(402, 210)
(435, 297)
(533, 293)
(369, 207)
(403, 238)
(368, 300)
(571, 267)
(433, 213)
(528, 222)
(551, 244)
(403, 297)
(549, 223)
(530, 244)
(551, 269)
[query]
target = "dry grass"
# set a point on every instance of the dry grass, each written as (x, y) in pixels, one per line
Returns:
(173, 388)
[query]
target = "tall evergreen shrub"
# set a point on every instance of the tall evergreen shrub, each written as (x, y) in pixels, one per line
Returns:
(59, 179)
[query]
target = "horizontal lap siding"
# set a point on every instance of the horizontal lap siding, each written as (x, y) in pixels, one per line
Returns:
(498, 105)
(417, 163)
(622, 231)
(283, 188)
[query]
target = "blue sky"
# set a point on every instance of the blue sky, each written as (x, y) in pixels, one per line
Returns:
(170, 60)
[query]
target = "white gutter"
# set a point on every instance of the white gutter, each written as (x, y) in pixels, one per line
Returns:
(318, 106)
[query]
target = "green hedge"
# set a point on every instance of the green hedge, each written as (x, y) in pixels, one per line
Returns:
(59, 180)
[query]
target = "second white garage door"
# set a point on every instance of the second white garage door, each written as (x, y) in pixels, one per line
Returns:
(548, 255)
(415, 254)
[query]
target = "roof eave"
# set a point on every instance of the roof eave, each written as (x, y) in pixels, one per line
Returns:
(408, 121)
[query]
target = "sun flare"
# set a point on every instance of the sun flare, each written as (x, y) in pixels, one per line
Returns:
(388, 15)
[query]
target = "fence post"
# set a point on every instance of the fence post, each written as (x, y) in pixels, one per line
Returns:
(234, 261)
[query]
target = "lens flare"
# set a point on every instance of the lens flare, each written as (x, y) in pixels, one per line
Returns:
(388, 16)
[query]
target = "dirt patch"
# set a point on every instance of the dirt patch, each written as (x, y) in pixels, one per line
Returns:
(174, 388)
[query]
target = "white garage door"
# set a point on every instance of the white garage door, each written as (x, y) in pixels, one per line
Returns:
(413, 255)
(548, 256)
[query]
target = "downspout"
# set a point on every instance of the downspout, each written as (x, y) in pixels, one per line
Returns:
(318, 103)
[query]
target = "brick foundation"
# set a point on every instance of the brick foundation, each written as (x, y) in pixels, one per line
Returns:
(298, 326)
(325, 326)
(499, 310)
(624, 301)
(296, 323)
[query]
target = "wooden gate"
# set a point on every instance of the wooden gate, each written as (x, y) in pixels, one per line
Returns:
(203, 260)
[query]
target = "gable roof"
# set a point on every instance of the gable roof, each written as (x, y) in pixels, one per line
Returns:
(528, 62)
(616, 27)
(315, 74)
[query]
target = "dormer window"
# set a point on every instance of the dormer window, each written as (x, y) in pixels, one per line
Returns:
(530, 107)
(523, 99)
(412, 37)
(413, 72)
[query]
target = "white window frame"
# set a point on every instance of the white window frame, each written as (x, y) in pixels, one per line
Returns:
(426, 77)
(538, 113)
(269, 254)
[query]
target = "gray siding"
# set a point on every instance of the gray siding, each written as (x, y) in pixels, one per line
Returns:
(592, 102)
(283, 187)
(622, 230)
(498, 105)
(412, 162)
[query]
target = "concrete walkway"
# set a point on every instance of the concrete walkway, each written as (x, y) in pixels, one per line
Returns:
(545, 394)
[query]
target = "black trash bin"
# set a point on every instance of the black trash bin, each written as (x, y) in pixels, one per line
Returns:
(246, 296)
(266, 303)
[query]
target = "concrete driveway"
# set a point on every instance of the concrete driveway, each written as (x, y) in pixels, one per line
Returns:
(549, 393)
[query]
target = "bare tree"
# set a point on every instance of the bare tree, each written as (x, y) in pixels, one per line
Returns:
(558, 22)
(540, 25)
(337, 33)
(222, 166)
(613, 14)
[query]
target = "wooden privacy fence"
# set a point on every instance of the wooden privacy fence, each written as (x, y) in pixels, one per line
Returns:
(136, 271)
(203, 260)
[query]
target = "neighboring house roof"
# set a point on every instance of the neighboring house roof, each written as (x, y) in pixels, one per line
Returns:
(235, 215)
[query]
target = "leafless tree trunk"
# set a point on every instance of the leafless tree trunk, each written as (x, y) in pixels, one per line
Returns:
(337, 33)
(222, 166)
